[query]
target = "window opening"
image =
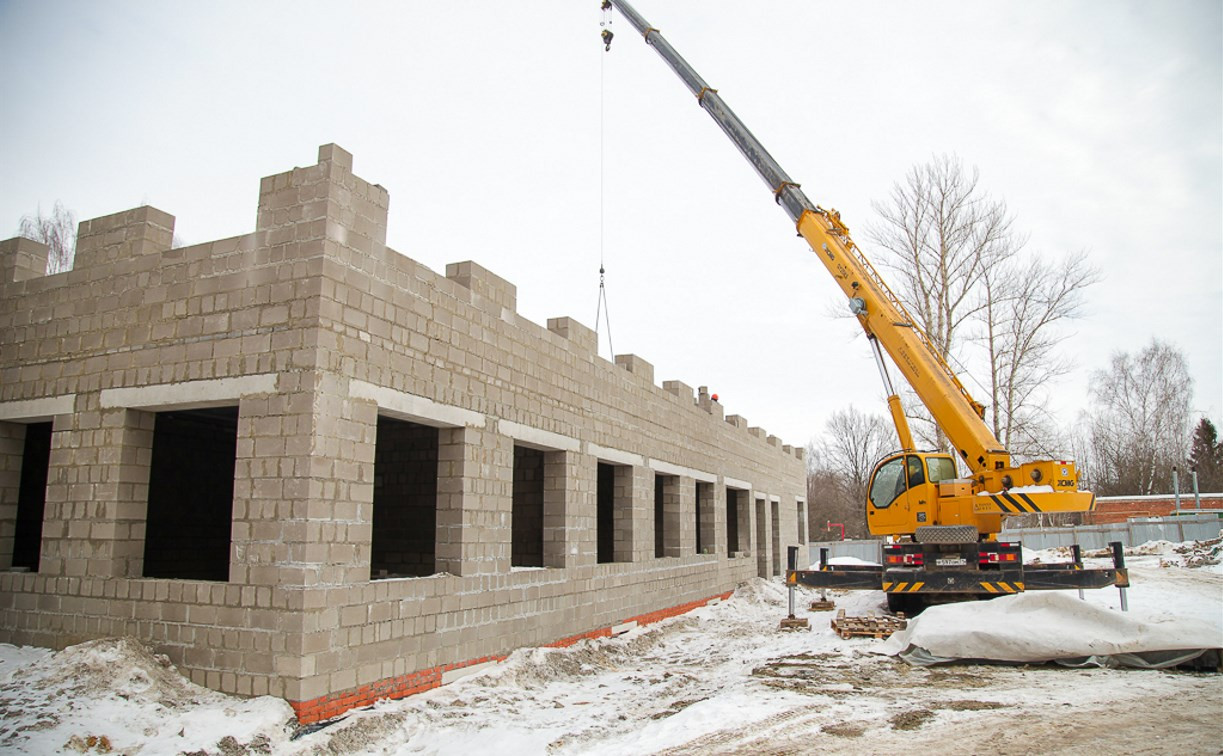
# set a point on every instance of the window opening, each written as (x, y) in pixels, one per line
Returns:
(32, 496)
(704, 518)
(527, 547)
(762, 543)
(732, 521)
(776, 538)
(191, 494)
(404, 538)
(606, 519)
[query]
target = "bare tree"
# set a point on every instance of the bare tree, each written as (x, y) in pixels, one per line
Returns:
(853, 442)
(1140, 429)
(1025, 302)
(57, 231)
(955, 260)
(839, 466)
(940, 235)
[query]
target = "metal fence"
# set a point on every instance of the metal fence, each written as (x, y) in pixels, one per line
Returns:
(1134, 532)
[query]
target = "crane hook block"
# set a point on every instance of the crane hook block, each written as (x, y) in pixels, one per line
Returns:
(607, 39)
(607, 5)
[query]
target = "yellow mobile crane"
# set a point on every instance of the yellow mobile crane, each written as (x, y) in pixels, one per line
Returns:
(943, 527)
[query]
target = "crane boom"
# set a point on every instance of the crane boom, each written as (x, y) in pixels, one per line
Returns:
(879, 310)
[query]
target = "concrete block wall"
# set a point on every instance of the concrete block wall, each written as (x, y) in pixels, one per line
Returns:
(313, 329)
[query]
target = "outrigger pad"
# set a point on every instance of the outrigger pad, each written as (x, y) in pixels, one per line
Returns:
(1032, 628)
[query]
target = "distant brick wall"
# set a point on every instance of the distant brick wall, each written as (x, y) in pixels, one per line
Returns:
(1112, 509)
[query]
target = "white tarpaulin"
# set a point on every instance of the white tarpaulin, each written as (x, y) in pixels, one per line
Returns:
(1050, 627)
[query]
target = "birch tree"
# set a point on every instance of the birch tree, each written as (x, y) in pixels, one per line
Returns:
(57, 230)
(938, 237)
(1140, 427)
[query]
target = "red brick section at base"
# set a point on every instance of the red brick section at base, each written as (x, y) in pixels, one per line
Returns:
(334, 704)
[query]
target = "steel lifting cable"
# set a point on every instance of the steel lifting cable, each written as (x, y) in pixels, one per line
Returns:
(602, 311)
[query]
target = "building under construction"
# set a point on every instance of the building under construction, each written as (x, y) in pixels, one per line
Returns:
(302, 464)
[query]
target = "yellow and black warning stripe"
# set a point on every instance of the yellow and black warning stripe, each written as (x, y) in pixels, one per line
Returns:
(902, 587)
(1014, 503)
(1001, 587)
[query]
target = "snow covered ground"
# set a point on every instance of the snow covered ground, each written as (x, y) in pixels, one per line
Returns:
(721, 679)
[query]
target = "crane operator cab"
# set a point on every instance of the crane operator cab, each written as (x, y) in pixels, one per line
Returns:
(904, 492)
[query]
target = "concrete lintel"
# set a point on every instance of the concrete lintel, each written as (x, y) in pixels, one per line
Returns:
(458, 674)
(615, 455)
(775, 499)
(211, 392)
(416, 408)
(666, 468)
(37, 410)
(538, 438)
(743, 485)
(623, 628)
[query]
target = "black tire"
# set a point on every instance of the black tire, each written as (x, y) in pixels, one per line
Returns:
(909, 603)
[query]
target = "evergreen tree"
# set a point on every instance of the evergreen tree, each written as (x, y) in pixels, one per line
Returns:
(1206, 456)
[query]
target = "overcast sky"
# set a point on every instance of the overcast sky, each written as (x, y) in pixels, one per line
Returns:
(506, 135)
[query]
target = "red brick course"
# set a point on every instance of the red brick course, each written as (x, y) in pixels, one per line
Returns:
(333, 705)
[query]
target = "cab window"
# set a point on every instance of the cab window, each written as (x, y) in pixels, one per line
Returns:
(888, 483)
(940, 468)
(917, 473)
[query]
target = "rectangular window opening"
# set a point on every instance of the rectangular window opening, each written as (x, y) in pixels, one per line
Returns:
(31, 496)
(762, 544)
(776, 538)
(666, 515)
(802, 522)
(191, 494)
(404, 538)
(527, 547)
(704, 518)
(605, 520)
(734, 503)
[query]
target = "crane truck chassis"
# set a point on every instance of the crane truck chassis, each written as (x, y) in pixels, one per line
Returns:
(942, 529)
(915, 575)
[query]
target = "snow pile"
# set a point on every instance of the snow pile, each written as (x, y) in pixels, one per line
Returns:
(720, 679)
(114, 694)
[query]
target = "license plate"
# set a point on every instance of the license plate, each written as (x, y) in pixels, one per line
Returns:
(956, 562)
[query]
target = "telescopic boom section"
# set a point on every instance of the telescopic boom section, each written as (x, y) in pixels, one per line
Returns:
(879, 310)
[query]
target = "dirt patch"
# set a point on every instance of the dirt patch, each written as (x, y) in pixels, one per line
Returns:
(971, 705)
(911, 720)
(845, 729)
(361, 733)
(676, 707)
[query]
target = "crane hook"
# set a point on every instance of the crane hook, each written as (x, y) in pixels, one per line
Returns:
(607, 40)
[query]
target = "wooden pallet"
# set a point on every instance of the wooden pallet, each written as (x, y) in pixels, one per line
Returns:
(872, 626)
